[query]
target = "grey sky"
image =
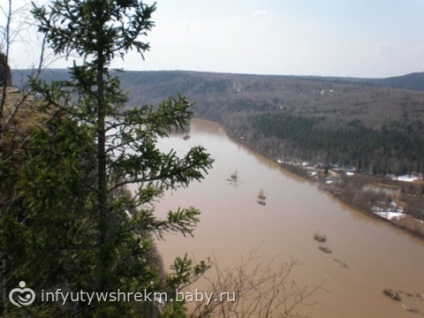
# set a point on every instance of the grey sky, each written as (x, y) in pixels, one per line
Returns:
(357, 38)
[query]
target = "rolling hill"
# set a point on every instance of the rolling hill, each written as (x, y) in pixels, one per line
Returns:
(374, 125)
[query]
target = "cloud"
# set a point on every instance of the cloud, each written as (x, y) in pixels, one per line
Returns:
(385, 48)
(260, 17)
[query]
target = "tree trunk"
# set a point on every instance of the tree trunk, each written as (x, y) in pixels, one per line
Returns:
(102, 177)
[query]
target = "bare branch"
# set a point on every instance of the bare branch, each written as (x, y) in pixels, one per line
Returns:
(260, 291)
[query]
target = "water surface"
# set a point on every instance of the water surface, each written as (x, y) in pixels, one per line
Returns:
(233, 224)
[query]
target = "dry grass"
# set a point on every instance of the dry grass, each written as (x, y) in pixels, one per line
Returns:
(24, 121)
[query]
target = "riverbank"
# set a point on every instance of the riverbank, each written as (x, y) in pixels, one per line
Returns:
(399, 202)
(380, 197)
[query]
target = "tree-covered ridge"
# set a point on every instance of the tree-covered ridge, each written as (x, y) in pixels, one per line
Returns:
(356, 122)
(338, 100)
(394, 149)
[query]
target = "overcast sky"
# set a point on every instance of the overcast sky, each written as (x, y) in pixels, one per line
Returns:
(356, 38)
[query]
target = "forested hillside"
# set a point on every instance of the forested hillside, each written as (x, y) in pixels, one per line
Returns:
(363, 123)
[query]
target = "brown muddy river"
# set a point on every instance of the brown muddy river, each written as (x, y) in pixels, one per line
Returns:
(232, 224)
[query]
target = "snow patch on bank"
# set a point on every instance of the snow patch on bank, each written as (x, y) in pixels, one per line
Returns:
(407, 178)
(394, 212)
(390, 215)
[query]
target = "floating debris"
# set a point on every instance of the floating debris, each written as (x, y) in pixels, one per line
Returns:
(342, 263)
(325, 249)
(233, 177)
(261, 198)
(320, 237)
(410, 309)
(392, 294)
(261, 195)
(186, 137)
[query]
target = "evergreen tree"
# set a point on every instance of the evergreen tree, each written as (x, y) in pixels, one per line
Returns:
(73, 222)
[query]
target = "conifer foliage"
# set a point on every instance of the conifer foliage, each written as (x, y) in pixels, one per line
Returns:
(71, 223)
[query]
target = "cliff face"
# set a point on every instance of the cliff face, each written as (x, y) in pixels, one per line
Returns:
(5, 74)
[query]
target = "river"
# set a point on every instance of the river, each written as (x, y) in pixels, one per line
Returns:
(377, 255)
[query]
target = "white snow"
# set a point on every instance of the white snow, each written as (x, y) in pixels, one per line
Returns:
(390, 215)
(407, 178)
(393, 213)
